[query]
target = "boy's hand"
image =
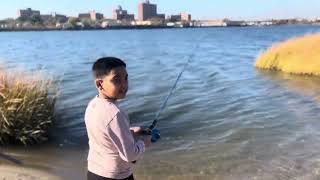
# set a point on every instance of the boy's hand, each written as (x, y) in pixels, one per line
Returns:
(136, 131)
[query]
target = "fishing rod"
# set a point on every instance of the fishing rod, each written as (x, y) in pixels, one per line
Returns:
(151, 130)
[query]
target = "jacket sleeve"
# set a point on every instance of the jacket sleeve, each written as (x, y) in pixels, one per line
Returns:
(119, 132)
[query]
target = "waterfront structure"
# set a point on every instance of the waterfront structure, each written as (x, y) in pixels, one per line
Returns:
(110, 23)
(179, 24)
(27, 13)
(120, 14)
(147, 11)
(3, 25)
(219, 23)
(141, 23)
(211, 23)
(92, 15)
(259, 23)
(234, 23)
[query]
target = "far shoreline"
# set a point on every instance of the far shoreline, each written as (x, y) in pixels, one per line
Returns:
(141, 28)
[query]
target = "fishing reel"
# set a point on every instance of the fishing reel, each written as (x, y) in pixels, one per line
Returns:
(154, 133)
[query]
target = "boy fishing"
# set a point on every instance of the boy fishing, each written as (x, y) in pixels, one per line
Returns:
(113, 145)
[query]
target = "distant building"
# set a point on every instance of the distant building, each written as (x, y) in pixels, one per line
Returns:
(84, 16)
(60, 18)
(147, 11)
(160, 16)
(92, 15)
(185, 17)
(45, 17)
(120, 14)
(95, 16)
(180, 17)
(27, 13)
(175, 18)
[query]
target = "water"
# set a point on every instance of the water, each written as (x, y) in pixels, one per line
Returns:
(225, 120)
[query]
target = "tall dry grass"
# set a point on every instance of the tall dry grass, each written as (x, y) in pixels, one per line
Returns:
(27, 103)
(297, 56)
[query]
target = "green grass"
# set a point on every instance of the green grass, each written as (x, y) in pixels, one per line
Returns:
(26, 107)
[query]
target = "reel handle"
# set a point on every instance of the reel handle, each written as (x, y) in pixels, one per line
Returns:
(154, 133)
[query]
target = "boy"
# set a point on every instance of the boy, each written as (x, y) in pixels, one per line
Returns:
(112, 147)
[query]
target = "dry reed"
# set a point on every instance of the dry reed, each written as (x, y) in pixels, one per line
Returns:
(26, 107)
(297, 56)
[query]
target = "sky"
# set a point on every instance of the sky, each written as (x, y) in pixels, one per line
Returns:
(199, 9)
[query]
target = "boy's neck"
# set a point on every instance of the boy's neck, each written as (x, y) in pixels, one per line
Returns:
(103, 96)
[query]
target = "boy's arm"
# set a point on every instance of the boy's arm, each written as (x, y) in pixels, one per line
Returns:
(119, 132)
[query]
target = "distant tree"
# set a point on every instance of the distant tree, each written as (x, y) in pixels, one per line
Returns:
(100, 21)
(72, 21)
(97, 24)
(21, 19)
(36, 20)
(87, 23)
(11, 23)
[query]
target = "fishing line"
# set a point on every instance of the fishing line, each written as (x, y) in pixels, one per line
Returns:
(151, 130)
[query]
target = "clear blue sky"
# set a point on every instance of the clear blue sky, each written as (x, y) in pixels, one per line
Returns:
(199, 9)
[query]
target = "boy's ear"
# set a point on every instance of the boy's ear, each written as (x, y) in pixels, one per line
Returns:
(99, 84)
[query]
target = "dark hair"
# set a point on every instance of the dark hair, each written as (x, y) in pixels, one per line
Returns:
(103, 66)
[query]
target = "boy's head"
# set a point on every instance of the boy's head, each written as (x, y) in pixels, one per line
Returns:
(111, 77)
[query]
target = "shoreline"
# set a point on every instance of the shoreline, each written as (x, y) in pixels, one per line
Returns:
(139, 28)
(46, 161)
(26, 173)
(87, 29)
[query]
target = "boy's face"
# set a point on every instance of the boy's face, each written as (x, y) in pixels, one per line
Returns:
(115, 84)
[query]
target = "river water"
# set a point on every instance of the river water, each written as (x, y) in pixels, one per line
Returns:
(225, 120)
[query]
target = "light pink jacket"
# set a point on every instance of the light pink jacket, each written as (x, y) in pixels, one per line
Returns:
(112, 147)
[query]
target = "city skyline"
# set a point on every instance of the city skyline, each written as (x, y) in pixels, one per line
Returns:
(207, 9)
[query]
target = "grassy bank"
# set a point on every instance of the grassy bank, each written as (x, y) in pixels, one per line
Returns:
(26, 107)
(297, 56)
